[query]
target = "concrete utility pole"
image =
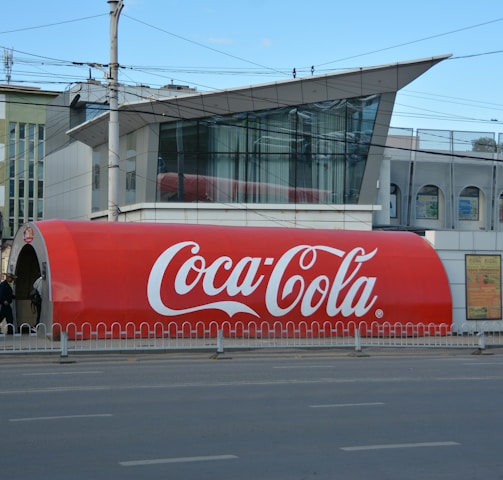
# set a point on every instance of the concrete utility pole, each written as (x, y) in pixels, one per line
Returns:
(113, 125)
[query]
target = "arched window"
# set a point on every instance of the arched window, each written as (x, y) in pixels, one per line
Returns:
(468, 204)
(501, 208)
(427, 203)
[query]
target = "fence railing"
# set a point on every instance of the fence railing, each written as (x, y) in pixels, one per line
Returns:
(218, 337)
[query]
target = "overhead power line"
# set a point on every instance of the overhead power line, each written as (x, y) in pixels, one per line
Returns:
(36, 27)
(413, 41)
(256, 70)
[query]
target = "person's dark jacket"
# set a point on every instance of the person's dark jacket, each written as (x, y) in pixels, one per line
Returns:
(6, 293)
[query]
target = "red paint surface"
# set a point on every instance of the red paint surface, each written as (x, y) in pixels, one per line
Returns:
(99, 274)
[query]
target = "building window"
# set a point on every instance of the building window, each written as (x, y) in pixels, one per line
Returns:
(131, 168)
(96, 176)
(31, 142)
(427, 203)
(131, 181)
(394, 196)
(22, 140)
(12, 140)
(86, 112)
(40, 208)
(96, 182)
(468, 204)
(40, 154)
(309, 154)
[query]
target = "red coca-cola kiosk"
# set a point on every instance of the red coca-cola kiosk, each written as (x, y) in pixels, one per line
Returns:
(134, 277)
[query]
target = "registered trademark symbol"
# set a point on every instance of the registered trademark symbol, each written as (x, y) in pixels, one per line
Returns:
(379, 313)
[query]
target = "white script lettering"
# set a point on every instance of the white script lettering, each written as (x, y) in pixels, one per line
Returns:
(286, 287)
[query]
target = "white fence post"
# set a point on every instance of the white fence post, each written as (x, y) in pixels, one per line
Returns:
(358, 340)
(482, 341)
(64, 344)
(220, 341)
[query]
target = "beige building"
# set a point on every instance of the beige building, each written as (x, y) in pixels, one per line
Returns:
(22, 152)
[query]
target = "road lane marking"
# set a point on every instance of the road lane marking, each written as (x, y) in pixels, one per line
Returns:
(296, 367)
(471, 364)
(252, 383)
(337, 405)
(399, 445)
(59, 417)
(158, 461)
(40, 374)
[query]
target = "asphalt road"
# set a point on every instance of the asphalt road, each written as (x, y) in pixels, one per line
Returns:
(252, 416)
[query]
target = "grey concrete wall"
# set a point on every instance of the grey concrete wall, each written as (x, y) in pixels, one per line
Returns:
(452, 247)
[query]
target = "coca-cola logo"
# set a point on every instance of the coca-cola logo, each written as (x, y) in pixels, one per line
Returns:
(339, 287)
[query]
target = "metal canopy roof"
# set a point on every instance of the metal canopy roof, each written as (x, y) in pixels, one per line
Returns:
(318, 88)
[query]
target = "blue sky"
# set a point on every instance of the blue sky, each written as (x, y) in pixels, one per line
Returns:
(231, 43)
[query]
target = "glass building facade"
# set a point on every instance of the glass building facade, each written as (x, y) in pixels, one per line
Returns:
(308, 154)
(25, 174)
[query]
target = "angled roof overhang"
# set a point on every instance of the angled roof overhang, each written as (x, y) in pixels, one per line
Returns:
(348, 84)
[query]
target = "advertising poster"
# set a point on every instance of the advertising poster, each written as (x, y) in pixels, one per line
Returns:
(483, 287)
(427, 204)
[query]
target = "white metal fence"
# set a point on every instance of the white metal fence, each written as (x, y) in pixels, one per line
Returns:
(215, 337)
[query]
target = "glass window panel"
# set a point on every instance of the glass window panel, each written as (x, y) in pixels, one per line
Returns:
(86, 112)
(21, 142)
(473, 142)
(12, 140)
(21, 207)
(434, 139)
(96, 176)
(130, 181)
(40, 208)
(40, 170)
(307, 154)
(31, 141)
(393, 199)
(96, 181)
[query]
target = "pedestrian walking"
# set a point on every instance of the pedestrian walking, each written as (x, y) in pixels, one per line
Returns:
(36, 300)
(6, 299)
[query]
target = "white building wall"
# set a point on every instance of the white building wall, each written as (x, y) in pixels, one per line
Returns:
(333, 217)
(68, 180)
(452, 246)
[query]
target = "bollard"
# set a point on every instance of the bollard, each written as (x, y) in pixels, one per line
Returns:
(358, 341)
(64, 344)
(220, 341)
